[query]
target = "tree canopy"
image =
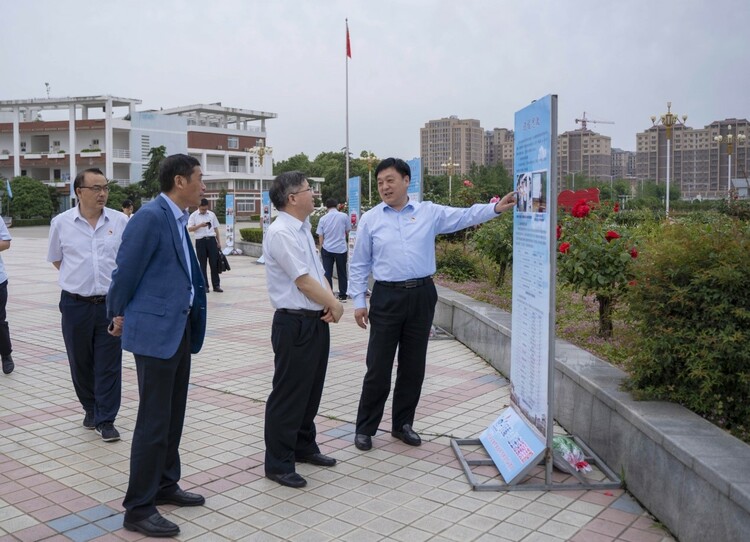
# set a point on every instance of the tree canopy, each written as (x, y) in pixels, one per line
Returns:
(150, 183)
(31, 198)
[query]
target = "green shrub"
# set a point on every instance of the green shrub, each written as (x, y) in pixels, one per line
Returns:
(455, 262)
(252, 235)
(691, 308)
(494, 239)
(21, 222)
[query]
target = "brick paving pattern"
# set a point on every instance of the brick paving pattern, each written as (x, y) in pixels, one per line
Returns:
(59, 481)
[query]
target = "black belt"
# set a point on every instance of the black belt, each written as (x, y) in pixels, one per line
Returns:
(93, 299)
(408, 284)
(302, 312)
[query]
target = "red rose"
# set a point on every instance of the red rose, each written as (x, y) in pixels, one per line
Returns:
(564, 247)
(580, 209)
(611, 235)
(632, 283)
(468, 183)
(616, 208)
(633, 253)
(559, 231)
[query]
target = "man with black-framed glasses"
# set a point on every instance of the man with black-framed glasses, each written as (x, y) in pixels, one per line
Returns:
(83, 244)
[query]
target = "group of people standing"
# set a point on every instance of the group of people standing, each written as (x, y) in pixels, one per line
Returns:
(136, 283)
(396, 245)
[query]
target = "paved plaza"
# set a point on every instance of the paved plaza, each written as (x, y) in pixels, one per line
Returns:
(59, 481)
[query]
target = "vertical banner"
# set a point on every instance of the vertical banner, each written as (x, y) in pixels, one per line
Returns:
(415, 190)
(265, 218)
(517, 440)
(229, 239)
(532, 345)
(353, 187)
(265, 215)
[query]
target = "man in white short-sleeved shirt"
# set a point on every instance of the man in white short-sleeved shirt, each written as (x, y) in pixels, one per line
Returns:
(83, 244)
(300, 337)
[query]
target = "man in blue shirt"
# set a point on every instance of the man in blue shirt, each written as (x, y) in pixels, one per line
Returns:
(332, 230)
(396, 243)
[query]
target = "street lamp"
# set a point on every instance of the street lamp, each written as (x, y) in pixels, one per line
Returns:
(451, 165)
(668, 120)
(730, 139)
(369, 158)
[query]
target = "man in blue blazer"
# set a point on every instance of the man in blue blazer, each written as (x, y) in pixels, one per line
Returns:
(157, 301)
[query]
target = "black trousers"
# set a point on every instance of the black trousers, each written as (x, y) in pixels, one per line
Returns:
(300, 346)
(5, 346)
(154, 454)
(95, 357)
(399, 319)
(328, 259)
(207, 251)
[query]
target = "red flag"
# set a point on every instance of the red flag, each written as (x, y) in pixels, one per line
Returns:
(348, 43)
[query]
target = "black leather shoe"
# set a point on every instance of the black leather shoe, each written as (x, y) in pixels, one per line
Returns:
(218, 290)
(8, 364)
(407, 435)
(318, 459)
(362, 442)
(155, 525)
(181, 498)
(288, 479)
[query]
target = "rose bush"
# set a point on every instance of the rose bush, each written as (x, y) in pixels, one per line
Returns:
(594, 258)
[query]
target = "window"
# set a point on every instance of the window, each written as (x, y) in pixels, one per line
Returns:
(233, 142)
(95, 142)
(55, 143)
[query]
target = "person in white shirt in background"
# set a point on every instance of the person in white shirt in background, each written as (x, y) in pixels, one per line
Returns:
(204, 224)
(332, 231)
(5, 345)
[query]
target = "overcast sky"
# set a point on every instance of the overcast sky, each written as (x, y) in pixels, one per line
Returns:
(412, 61)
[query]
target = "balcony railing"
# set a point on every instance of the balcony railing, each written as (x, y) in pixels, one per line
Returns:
(121, 153)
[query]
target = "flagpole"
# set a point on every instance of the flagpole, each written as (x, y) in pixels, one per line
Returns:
(348, 54)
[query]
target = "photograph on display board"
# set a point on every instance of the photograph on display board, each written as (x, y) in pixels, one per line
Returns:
(531, 188)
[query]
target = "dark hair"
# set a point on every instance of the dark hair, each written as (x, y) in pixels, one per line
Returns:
(78, 182)
(283, 185)
(171, 166)
(396, 163)
(126, 203)
(204, 202)
(331, 202)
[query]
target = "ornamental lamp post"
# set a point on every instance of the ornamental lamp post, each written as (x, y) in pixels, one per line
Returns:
(668, 120)
(730, 139)
(451, 166)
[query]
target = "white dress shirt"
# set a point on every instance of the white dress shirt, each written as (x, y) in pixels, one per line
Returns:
(86, 254)
(201, 218)
(289, 252)
(4, 236)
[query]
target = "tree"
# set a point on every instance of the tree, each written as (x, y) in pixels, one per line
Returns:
(298, 162)
(220, 209)
(150, 184)
(31, 199)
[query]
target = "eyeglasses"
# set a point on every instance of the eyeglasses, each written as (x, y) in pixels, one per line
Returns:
(97, 188)
(301, 191)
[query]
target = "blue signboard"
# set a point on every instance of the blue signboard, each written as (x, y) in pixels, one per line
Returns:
(229, 244)
(415, 182)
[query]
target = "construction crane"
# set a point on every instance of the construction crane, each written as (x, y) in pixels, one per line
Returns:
(583, 120)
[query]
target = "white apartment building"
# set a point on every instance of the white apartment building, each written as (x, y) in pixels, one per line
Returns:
(109, 133)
